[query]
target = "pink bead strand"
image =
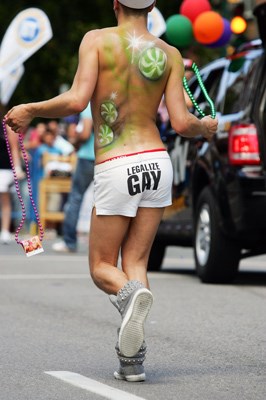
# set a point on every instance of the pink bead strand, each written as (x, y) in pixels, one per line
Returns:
(23, 208)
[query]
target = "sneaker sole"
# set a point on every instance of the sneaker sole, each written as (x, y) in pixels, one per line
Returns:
(131, 335)
(130, 378)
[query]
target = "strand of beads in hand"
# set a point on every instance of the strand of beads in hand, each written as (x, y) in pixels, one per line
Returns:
(204, 91)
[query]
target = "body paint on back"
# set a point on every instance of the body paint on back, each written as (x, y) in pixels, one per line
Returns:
(150, 62)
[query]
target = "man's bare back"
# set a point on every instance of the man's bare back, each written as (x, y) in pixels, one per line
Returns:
(134, 67)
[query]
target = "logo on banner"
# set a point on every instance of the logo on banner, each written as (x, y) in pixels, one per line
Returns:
(29, 30)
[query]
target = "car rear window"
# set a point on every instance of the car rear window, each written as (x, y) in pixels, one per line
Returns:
(241, 84)
(211, 83)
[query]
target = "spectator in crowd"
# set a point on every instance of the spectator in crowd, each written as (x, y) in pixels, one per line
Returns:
(71, 123)
(163, 120)
(48, 143)
(81, 180)
(6, 180)
(35, 136)
(65, 147)
(54, 200)
(48, 146)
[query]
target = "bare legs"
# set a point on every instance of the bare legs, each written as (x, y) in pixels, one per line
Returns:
(5, 201)
(5, 211)
(133, 236)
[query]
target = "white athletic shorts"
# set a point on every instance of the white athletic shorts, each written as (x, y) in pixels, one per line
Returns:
(123, 184)
(6, 180)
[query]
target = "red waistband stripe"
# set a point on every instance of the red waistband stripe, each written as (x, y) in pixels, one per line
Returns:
(132, 154)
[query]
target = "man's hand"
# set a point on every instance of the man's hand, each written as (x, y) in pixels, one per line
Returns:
(211, 125)
(19, 118)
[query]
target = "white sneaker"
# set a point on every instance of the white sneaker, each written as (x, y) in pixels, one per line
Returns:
(61, 247)
(5, 237)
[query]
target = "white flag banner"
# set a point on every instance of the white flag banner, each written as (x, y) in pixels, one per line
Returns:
(26, 34)
(9, 84)
(156, 23)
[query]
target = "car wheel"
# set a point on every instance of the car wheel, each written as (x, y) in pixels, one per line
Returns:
(216, 256)
(156, 256)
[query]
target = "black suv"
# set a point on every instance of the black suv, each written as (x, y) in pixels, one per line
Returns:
(219, 192)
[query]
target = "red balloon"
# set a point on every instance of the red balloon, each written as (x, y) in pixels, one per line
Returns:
(193, 8)
(208, 27)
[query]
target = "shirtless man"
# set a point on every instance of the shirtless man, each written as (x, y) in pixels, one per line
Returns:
(124, 71)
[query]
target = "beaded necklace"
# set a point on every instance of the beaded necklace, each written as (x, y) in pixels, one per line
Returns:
(204, 91)
(25, 243)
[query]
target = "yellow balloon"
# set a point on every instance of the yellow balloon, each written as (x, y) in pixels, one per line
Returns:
(238, 25)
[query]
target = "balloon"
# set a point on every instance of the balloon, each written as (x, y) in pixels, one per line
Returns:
(179, 31)
(238, 25)
(226, 36)
(193, 8)
(208, 27)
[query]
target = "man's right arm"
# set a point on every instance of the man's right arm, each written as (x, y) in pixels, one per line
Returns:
(182, 121)
(71, 102)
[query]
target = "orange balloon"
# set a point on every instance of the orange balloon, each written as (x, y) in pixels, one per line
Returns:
(238, 25)
(208, 27)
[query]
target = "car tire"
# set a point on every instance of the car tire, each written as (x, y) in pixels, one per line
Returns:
(156, 256)
(216, 256)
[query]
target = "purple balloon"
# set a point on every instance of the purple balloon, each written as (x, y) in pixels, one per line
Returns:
(226, 35)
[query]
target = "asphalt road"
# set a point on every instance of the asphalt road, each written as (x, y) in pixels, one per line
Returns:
(58, 332)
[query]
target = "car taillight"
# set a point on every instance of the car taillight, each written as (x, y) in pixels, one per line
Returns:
(243, 145)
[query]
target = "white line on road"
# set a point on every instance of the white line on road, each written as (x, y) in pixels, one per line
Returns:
(43, 257)
(168, 262)
(43, 276)
(187, 262)
(92, 386)
(39, 277)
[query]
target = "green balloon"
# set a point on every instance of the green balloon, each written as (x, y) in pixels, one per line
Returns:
(179, 31)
